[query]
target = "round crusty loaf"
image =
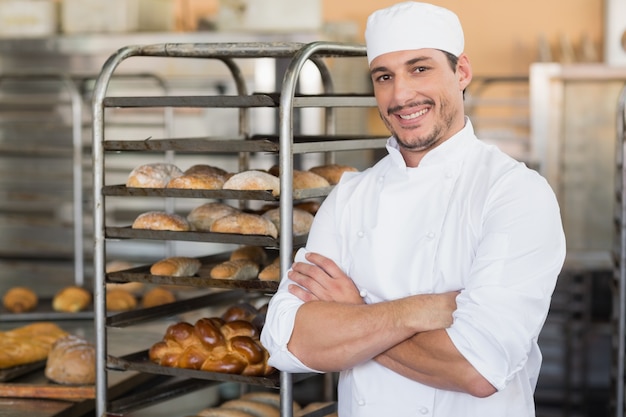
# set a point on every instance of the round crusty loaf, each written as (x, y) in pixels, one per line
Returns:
(271, 272)
(245, 224)
(202, 217)
(71, 299)
(253, 180)
(72, 361)
(332, 172)
(155, 175)
(207, 169)
(307, 179)
(257, 409)
(20, 300)
(160, 220)
(176, 266)
(197, 182)
(302, 220)
(253, 253)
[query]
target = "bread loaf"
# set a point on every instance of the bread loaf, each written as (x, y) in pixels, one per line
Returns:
(310, 206)
(332, 172)
(197, 182)
(72, 361)
(20, 300)
(255, 254)
(253, 180)
(157, 296)
(176, 266)
(239, 269)
(155, 175)
(302, 220)
(213, 345)
(241, 311)
(315, 406)
(271, 272)
(27, 344)
(303, 180)
(202, 217)
(204, 169)
(160, 220)
(71, 299)
(255, 408)
(120, 300)
(270, 398)
(245, 224)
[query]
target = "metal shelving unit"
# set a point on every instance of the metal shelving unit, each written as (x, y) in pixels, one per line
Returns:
(284, 145)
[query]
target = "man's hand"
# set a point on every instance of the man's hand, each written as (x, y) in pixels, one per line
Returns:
(322, 280)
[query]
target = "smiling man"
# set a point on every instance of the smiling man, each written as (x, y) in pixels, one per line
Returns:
(427, 278)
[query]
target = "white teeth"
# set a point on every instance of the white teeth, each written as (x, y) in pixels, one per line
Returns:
(413, 115)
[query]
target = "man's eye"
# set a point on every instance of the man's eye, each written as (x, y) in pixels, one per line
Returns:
(383, 78)
(419, 69)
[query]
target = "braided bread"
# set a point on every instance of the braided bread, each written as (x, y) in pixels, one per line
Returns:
(213, 345)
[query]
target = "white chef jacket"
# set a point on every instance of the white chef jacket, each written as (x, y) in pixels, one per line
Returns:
(469, 218)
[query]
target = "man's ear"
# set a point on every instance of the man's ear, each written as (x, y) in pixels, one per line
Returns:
(464, 71)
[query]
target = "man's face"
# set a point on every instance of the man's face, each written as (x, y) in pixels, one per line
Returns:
(420, 98)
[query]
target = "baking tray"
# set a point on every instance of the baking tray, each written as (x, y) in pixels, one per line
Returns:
(45, 312)
(140, 361)
(9, 374)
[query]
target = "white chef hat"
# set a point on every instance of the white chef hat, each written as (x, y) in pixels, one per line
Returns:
(412, 25)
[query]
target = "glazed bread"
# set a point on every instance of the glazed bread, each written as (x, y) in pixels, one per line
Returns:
(20, 300)
(27, 344)
(302, 220)
(156, 175)
(120, 300)
(245, 224)
(157, 296)
(239, 269)
(160, 220)
(176, 266)
(332, 172)
(202, 217)
(241, 311)
(72, 361)
(253, 180)
(213, 345)
(71, 299)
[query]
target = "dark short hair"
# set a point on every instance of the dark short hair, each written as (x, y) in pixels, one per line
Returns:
(452, 60)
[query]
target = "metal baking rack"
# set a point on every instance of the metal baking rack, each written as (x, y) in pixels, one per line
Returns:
(285, 145)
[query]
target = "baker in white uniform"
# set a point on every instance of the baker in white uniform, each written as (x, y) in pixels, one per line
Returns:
(427, 278)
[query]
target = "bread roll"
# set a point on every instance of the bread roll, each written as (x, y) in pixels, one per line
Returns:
(72, 361)
(157, 296)
(302, 220)
(240, 269)
(28, 344)
(306, 179)
(71, 299)
(310, 206)
(176, 266)
(255, 408)
(245, 224)
(160, 220)
(332, 172)
(155, 175)
(253, 253)
(213, 345)
(253, 180)
(120, 300)
(197, 182)
(241, 311)
(202, 217)
(20, 300)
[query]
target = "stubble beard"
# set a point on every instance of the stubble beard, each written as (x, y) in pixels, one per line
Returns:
(411, 142)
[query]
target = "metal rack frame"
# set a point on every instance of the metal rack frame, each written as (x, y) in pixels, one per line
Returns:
(286, 146)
